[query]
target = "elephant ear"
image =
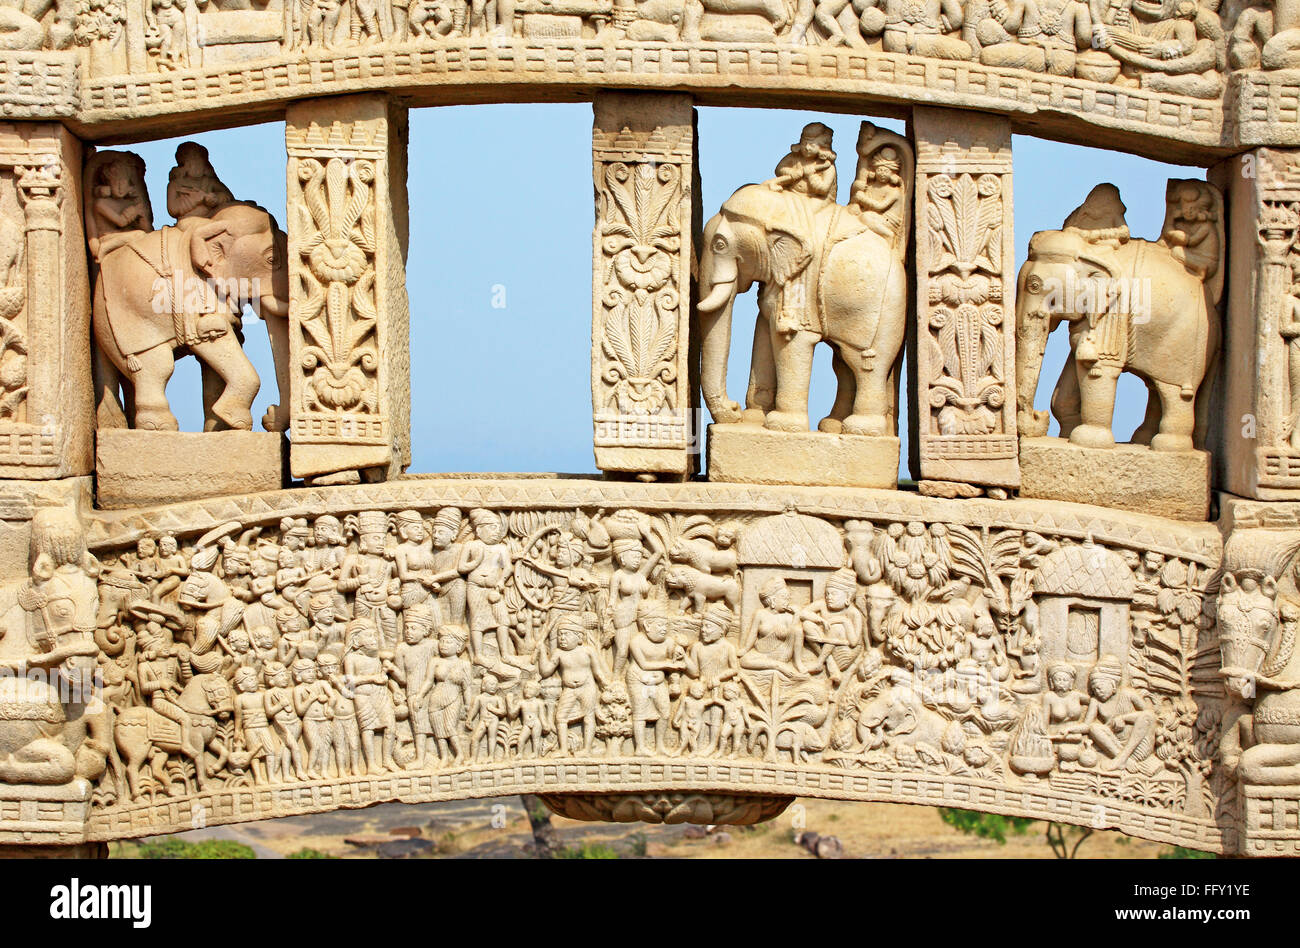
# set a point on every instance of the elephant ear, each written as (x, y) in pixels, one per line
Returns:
(787, 254)
(208, 246)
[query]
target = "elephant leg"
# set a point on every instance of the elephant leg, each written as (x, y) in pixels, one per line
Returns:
(1096, 405)
(1177, 419)
(226, 357)
(794, 354)
(761, 397)
(277, 328)
(846, 389)
(1151, 420)
(871, 401)
(109, 409)
(152, 412)
(1065, 399)
(213, 387)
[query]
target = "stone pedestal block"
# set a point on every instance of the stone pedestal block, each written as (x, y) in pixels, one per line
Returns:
(139, 468)
(750, 454)
(1173, 484)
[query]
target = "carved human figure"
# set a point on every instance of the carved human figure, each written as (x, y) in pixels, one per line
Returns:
(412, 668)
(278, 702)
(486, 562)
(117, 202)
(313, 702)
(448, 693)
(167, 33)
(369, 574)
(922, 28)
(1166, 45)
(254, 727)
(451, 593)
(533, 714)
(194, 192)
(652, 656)
(1119, 721)
(731, 736)
(413, 559)
(582, 676)
(628, 585)
(712, 662)
(774, 637)
(487, 713)
(376, 717)
(833, 625)
(345, 734)
(689, 720)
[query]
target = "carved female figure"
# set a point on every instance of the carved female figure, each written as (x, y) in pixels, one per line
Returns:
(774, 637)
(374, 703)
(448, 692)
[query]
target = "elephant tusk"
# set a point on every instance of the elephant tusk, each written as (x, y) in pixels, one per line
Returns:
(717, 298)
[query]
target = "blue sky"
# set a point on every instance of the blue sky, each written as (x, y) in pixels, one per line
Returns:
(501, 209)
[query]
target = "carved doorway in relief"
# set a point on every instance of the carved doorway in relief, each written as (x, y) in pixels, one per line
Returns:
(1083, 634)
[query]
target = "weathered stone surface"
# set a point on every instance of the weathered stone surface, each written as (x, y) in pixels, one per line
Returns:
(139, 468)
(1174, 484)
(750, 454)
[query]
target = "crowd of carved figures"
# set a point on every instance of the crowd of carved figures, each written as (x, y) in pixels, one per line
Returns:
(1178, 46)
(337, 647)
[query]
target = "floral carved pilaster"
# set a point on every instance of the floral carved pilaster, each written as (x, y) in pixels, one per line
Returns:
(642, 391)
(965, 329)
(349, 334)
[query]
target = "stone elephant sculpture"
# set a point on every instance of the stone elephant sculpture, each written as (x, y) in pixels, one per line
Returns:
(824, 275)
(1171, 343)
(183, 289)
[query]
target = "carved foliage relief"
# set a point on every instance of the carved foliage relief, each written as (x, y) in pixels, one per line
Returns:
(365, 654)
(333, 241)
(964, 301)
(642, 170)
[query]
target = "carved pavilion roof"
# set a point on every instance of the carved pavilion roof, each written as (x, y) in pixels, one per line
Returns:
(1085, 570)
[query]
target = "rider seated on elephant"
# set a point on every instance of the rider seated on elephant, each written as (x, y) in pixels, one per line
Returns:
(119, 209)
(194, 191)
(1100, 218)
(1191, 229)
(878, 193)
(809, 168)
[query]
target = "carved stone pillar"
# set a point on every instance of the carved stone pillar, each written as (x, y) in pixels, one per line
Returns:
(964, 417)
(1254, 436)
(45, 389)
(643, 391)
(349, 332)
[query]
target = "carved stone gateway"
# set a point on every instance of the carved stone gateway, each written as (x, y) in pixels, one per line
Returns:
(1042, 626)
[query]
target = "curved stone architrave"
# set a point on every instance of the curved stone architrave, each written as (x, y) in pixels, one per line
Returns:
(932, 634)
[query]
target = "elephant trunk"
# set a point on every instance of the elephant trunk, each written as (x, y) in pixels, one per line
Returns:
(718, 279)
(1033, 325)
(271, 305)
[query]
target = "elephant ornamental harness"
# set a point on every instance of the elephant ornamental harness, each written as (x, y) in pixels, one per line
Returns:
(192, 324)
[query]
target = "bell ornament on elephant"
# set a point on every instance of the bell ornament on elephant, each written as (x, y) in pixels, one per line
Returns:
(825, 272)
(160, 294)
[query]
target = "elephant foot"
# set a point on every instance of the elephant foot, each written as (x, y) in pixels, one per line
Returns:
(786, 421)
(830, 425)
(1092, 436)
(155, 420)
(276, 418)
(1032, 424)
(872, 425)
(1144, 435)
(1171, 442)
(726, 413)
(752, 416)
